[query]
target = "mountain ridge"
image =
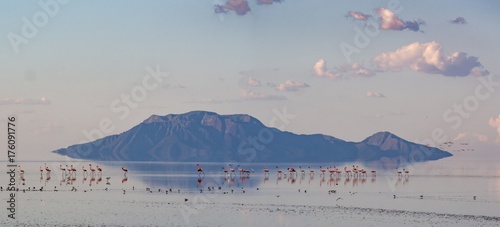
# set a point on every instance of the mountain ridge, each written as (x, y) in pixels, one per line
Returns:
(210, 137)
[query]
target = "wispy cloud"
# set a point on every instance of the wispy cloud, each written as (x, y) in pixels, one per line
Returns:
(464, 136)
(268, 1)
(459, 20)
(343, 71)
(25, 101)
(357, 15)
(374, 94)
(253, 82)
(250, 95)
(290, 85)
(430, 58)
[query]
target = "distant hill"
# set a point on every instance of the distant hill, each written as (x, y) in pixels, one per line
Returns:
(201, 136)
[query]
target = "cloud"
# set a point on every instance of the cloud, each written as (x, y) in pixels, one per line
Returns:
(239, 6)
(459, 20)
(343, 71)
(25, 101)
(495, 123)
(390, 21)
(250, 95)
(471, 137)
(321, 70)
(356, 70)
(268, 1)
(374, 94)
(357, 15)
(290, 85)
(430, 58)
(253, 82)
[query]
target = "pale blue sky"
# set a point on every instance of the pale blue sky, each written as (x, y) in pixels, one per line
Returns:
(91, 52)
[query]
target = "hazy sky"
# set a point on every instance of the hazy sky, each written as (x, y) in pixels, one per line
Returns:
(424, 70)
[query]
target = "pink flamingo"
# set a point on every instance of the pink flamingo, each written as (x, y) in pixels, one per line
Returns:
(200, 170)
(322, 170)
(347, 172)
(311, 171)
(277, 170)
(91, 169)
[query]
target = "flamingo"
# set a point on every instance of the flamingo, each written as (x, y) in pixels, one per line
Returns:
(266, 171)
(124, 170)
(21, 171)
(200, 170)
(99, 169)
(278, 170)
(322, 170)
(68, 169)
(374, 173)
(225, 171)
(331, 170)
(84, 170)
(407, 173)
(231, 169)
(347, 172)
(311, 171)
(241, 170)
(63, 170)
(398, 172)
(47, 168)
(91, 169)
(301, 170)
(73, 169)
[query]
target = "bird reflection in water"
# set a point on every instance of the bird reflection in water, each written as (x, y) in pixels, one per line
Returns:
(266, 178)
(322, 180)
(47, 180)
(311, 178)
(98, 180)
(200, 181)
(278, 179)
(124, 179)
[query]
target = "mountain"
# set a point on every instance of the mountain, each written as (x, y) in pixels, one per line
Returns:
(201, 136)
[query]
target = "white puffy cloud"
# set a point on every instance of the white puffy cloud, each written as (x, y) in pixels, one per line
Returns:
(290, 85)
(253, 82)
(495, 123)
(358, 15)
(390, 21)
(321, 70)
(26, 101)
(374, 94)
(429, 58)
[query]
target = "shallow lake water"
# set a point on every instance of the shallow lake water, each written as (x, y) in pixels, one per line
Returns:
(449, 186)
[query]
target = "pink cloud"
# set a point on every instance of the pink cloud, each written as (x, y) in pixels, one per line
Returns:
(358, 15)
(290, 85)
(239, 6)
(25, 101)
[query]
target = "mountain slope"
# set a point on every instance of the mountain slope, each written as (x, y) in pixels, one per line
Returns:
(208, 137)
